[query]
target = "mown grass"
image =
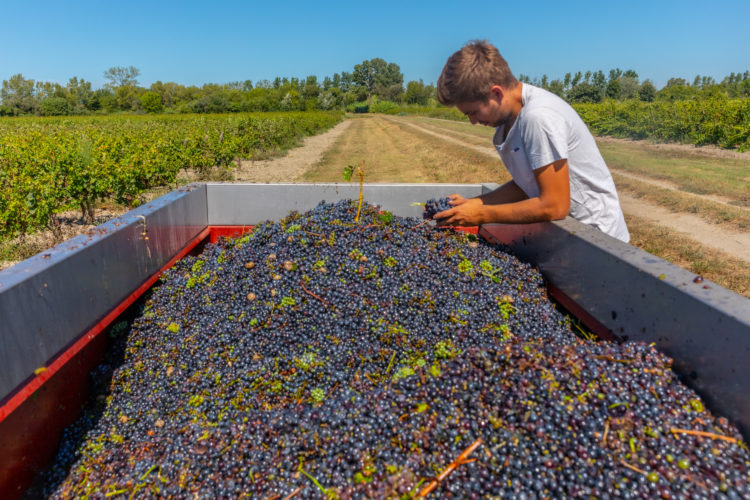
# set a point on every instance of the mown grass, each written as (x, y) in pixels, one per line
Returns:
(475, 134)
(719, 267)
(396, 152)
(710, 211)
(692, 172)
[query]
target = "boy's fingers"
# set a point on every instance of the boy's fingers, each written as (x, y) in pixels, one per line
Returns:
(445, 214)
(455, 199)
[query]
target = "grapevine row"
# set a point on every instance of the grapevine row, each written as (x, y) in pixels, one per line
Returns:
(721, 122)
(51, 165)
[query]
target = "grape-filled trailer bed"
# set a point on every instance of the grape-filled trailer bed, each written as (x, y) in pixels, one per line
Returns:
(55, 306)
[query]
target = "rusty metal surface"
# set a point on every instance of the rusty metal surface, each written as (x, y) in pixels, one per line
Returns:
(238, 204)
(705, 328)
(49, 300)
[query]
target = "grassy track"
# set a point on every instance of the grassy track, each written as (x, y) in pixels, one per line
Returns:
(737, 219)
(691, 172)
(395, 152)
(719, 267)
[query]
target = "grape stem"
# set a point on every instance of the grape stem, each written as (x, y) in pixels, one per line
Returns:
(462, 459)
(614, 360)
(703, 434)
(290, 495)
(361, 171)
(636, 469)
(606, 431)
(302, 284)
(361, 228)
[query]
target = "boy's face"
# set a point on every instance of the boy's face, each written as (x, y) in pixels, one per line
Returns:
(493, 112)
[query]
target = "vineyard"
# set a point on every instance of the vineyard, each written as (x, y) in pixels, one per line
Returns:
(51, 165)
(720, 122)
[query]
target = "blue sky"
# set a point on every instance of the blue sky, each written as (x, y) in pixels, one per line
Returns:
(197, 42)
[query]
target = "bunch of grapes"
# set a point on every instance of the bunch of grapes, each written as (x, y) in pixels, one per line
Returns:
(319, 358)
(433, 206)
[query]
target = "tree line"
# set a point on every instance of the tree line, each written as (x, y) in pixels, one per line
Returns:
(595, 86)
(374, 79)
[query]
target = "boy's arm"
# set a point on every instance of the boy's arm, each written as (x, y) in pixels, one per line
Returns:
(552, 203)
(507, 193)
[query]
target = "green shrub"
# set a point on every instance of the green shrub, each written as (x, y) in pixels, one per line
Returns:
(151, 102)
(359, 107)
(55, 106)
(386, 107)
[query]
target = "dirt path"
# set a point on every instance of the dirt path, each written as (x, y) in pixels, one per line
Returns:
(668, 185)
(290, 167)
(735, 243)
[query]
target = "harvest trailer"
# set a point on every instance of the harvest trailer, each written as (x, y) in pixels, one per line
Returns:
(56, 305)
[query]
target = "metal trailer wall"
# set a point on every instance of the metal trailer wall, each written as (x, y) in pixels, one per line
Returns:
(49, 300)
(238, 204)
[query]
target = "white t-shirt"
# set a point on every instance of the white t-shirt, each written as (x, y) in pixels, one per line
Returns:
(546, 130)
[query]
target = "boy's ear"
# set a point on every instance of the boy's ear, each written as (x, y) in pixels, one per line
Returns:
(497, 92)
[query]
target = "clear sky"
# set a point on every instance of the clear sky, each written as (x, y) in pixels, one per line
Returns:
(196, 42)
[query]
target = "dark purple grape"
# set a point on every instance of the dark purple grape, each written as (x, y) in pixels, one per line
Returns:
(317, 353)
(432, 207)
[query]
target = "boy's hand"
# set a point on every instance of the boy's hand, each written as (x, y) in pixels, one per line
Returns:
(465, 212)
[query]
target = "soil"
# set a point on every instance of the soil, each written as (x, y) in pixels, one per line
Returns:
(734, 243)
(71, 225)
(289, 168)
(722, 200)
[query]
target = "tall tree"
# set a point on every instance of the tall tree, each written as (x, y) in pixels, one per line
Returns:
(119, 76)
(80, 95)
(647, 92)
(17, 93)
(599, 80)
(378, 77)
(416, 93)
(615, 74)
(123, 81)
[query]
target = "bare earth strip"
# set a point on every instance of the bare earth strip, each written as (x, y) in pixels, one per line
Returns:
(710, 235)
(737, 244)
(290, 167)
(668, 185)
(486, 150)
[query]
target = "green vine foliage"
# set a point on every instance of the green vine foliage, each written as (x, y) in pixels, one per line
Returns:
(719, 121)
(48, 165)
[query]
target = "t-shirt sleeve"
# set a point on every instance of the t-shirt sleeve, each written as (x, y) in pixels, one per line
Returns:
(545, 137)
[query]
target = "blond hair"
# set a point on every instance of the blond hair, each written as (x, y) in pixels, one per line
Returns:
(471, 72)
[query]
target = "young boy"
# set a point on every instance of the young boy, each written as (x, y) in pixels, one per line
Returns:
(556, 166)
